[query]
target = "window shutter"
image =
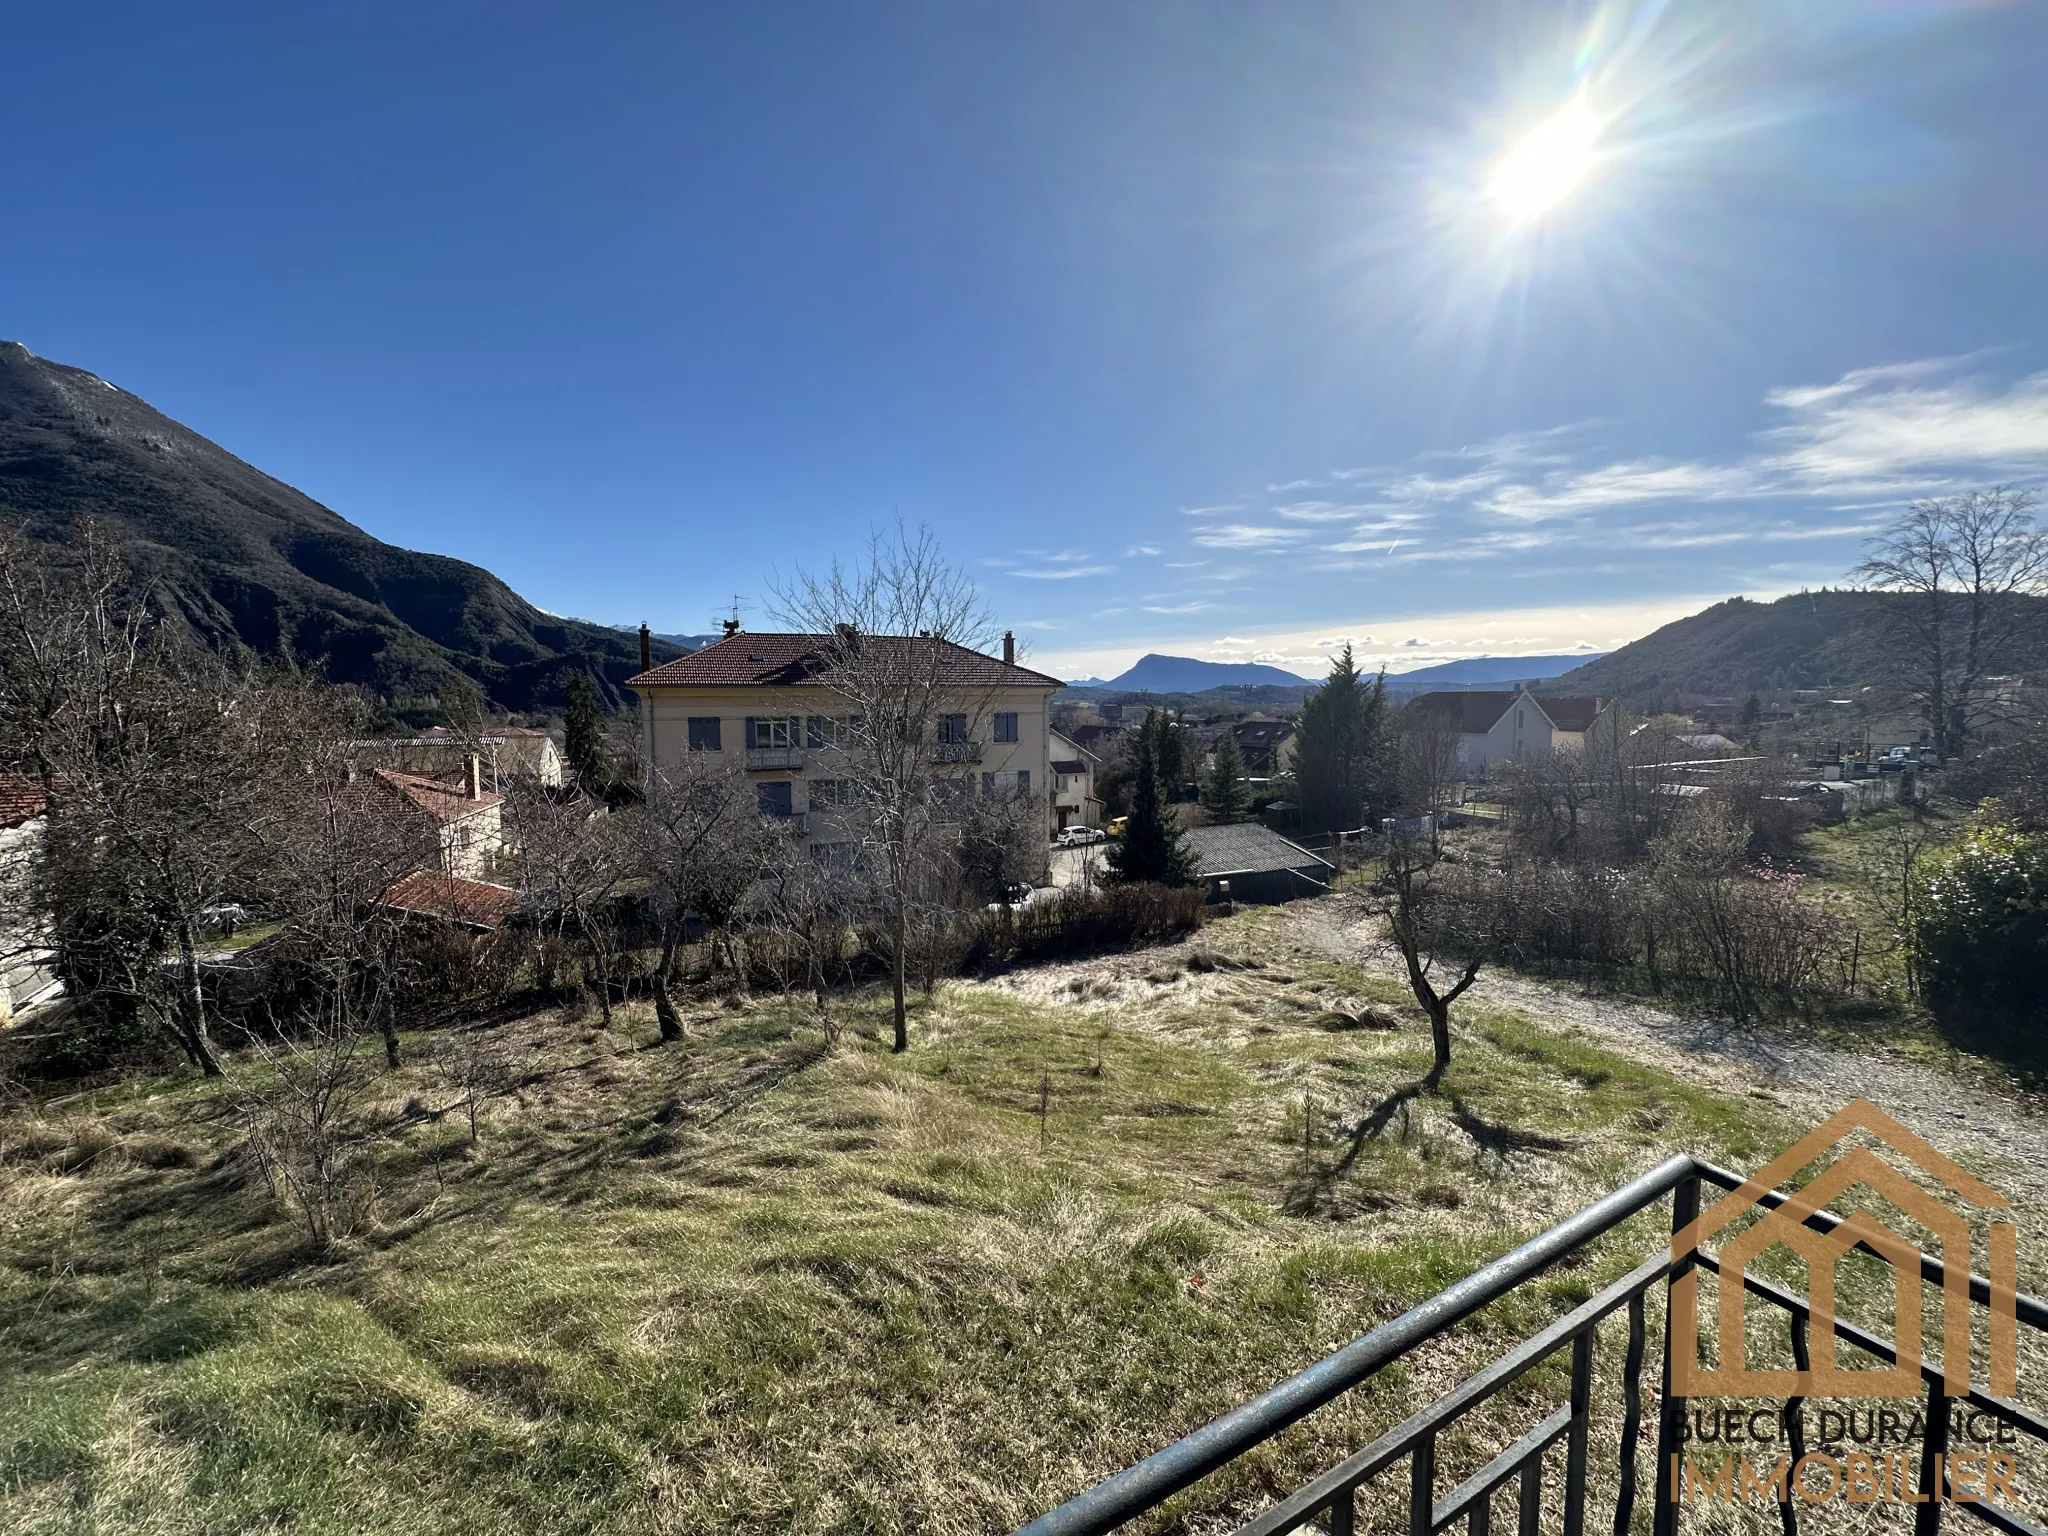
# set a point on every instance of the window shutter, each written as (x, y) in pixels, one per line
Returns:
(750, 733)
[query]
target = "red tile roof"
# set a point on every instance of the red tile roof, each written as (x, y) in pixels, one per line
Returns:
(21, 801)
(443, 799)
(474, 902)
(749, 660)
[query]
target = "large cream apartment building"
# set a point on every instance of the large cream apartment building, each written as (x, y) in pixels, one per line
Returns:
(766, 701)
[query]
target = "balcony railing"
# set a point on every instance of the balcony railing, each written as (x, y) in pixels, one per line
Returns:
(956, 752)
(775, 757)
(1331, 1500)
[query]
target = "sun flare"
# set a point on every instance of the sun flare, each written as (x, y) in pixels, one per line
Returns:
(1547, 165)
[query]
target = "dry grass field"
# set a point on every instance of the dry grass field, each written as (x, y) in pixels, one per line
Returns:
(751, 1283)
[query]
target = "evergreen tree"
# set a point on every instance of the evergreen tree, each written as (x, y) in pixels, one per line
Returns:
(1752, 710)
(1227, 795)
(1170, 748)
(1151, 850)
(583, 729)
(1341, 760)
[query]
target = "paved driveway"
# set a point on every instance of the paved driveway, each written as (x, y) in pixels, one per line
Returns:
(1073, 866)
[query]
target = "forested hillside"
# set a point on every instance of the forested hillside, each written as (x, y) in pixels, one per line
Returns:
(1826, 639)
(243, 558)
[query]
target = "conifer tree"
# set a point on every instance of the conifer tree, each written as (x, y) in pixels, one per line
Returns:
(1150, 850)
(1341, 761)
(1226, 795)
(583, 731)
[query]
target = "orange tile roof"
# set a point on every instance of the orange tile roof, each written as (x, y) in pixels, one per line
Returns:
(475, 902)
(747, 660)
(440, 798)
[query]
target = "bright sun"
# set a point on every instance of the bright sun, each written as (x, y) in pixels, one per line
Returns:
(1547, 165)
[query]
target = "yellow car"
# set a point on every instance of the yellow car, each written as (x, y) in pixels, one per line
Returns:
(1116, 826)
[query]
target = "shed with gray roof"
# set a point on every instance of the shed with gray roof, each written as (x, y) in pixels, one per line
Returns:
(1248, 862)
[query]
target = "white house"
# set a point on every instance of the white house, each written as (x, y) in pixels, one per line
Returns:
(26, 974)
(1500, 727)
(508, 751)
(463, 820)
(1074, 801)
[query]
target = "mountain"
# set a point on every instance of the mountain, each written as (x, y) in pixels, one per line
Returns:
(1826, 639)
(680, 642)
(240, 557)
(1485, 672)
(1184, 674)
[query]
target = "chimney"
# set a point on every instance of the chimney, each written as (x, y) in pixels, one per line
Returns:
(476, 777)
(732, 627)
(1010, 646)
(646, 649)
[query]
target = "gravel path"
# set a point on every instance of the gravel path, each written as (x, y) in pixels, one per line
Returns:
(1965, 1116)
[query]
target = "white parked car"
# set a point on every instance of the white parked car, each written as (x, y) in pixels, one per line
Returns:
(1077, 837)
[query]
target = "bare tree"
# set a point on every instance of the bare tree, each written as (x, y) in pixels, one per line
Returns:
(703, 843)
(1630, 763)
(1427, 763)
(1439, 933)
(1548, 799)
(898, 636)
(1966, 563)
(812, 901)
(303, 1130)
(472, 1062)
(574, 858)
(1890, 865)
(171, 796)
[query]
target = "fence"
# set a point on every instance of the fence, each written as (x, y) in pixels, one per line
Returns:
(1333, 1497)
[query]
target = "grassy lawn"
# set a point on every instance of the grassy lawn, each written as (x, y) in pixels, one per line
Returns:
(749, 1284)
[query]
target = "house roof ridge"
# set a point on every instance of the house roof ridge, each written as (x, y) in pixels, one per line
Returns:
(777, 658)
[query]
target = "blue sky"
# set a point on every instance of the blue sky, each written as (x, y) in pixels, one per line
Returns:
(1188, 326)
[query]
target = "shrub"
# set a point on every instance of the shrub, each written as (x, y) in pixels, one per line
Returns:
(1980, 929)
(1079, 922)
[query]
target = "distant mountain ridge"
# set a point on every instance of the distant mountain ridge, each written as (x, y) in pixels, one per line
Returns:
(1155, 673)
(244, 558)
(1486, 672)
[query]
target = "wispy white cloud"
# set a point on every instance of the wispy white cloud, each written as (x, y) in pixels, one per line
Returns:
(1179, 608)
(1280, 488)
(1319, 511)
(1143, 549)
(1248, 536)
(1063, 572)
(1624, 484)
(1216, 511)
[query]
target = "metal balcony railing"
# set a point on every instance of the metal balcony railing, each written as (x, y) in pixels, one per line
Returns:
(956, 752)
(775, 757)
(1331, 1500)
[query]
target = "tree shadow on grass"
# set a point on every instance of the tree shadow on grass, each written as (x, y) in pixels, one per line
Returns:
(1312, 1191)
(1498, 1139)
